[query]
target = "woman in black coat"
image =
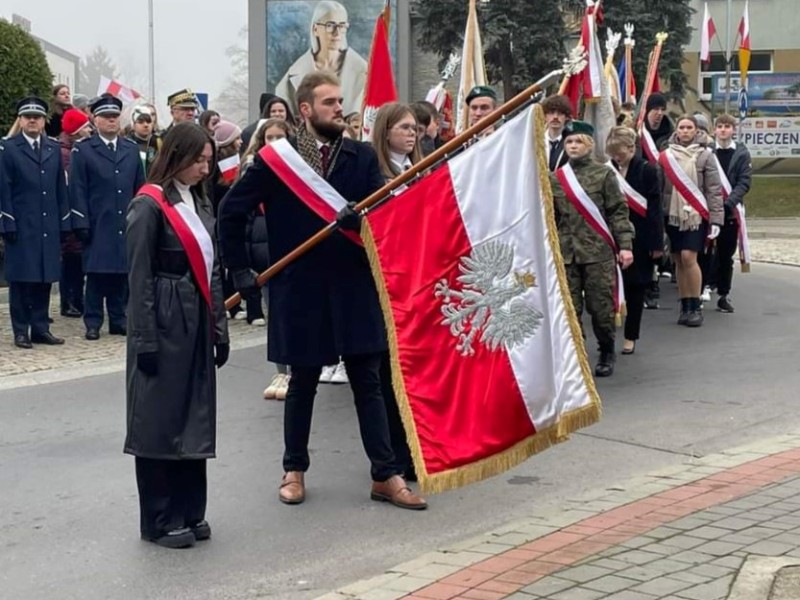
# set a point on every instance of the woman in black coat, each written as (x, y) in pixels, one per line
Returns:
(177, 335)
(642, 191)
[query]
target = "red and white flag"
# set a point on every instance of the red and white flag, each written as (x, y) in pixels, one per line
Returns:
(229, 168)
(707, 33)
(594, 73)
(744, 43)
(380, 88)
(115, 88)
(487, 355)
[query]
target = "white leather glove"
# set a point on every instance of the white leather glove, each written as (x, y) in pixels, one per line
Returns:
(712, 235)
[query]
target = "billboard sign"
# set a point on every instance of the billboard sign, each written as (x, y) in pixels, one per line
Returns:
(775, 137)
(308, 35)
(766, 92)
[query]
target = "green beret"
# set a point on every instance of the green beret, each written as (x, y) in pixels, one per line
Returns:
(577, 127)
(480, 91)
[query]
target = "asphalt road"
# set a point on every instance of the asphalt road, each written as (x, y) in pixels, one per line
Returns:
(68, 504)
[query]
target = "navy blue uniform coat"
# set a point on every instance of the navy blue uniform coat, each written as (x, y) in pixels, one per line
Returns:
(101, 185)
(325, 304)
(35, 205)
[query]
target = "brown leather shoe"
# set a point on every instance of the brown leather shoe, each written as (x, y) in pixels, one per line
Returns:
(396, 491)
(293, 488)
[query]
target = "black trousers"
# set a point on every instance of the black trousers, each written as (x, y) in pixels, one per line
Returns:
(29, 304)
(634, 302)
(172, 494)
(727, 243)
(71, 284)
(397, 433)
(363, 371)
(113, 287)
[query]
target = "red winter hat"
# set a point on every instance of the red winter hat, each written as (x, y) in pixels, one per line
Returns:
(73, 121)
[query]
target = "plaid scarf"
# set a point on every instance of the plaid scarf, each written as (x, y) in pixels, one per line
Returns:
(307, 148)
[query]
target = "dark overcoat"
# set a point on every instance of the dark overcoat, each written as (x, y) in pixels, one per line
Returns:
(34, 204)
(649, 230)
(171, 415)
(325, 304)
(102, 183)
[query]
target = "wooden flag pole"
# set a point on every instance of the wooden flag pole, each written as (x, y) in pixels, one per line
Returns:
(404, 178)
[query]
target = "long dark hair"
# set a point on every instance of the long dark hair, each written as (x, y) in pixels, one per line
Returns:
(182, 146)
(289, 116)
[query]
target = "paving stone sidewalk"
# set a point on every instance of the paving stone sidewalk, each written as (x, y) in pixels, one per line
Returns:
(680, 534)
(79, 357)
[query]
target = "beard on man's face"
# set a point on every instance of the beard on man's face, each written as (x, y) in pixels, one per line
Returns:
(329, 129)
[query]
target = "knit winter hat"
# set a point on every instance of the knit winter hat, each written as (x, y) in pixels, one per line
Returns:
(702, 121)
(73, 121)
(656, 100)
(225, 133)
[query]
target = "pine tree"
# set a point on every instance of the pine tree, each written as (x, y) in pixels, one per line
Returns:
(96, 65)
(23, 71)
(520, 45)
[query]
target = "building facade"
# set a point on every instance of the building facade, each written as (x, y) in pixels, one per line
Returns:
(775, 44)
(63, 64)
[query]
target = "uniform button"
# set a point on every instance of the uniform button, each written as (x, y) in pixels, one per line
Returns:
(119, 191)
(45, 235)
(42, 172)
(117, 171)
(44, 193)
(119, 212)
(44, 214)
(120, 231)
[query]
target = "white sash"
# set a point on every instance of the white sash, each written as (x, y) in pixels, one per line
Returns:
(649, 145)
(201, 235)
(309, 187)
(683, 184)
(739, 213)
(636, 202)
(591, 212)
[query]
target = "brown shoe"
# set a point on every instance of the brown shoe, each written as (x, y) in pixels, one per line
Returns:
(293, 488)
(396, 491)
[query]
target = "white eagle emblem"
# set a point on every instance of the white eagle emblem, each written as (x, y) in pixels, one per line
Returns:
(488, 303)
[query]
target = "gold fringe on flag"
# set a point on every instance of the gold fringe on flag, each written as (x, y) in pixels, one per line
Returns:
(543, 439)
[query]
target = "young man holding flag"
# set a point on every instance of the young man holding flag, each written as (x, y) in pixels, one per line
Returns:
(325, 305)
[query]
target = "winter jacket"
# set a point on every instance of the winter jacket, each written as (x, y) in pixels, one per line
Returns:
(740, 175)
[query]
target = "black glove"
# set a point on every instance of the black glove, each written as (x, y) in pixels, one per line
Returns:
(10, 237)
(348, 218)
(221, 353)
(244, 282)
(84, 235)
(147, 362)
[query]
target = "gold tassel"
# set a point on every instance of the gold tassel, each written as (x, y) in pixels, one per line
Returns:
(541, 440)
(745, 267)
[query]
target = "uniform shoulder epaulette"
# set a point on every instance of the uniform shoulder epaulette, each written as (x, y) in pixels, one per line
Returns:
(80, 141)
(125, 140)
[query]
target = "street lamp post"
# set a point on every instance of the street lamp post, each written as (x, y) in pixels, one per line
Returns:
(151, 47)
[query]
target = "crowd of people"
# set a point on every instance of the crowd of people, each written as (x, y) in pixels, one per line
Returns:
(153, 228)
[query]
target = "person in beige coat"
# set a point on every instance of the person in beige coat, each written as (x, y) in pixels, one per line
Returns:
(688, 231)
(329, 52)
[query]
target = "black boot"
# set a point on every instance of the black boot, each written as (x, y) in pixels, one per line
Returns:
(605, 366)
(695, 318)
(683, 318)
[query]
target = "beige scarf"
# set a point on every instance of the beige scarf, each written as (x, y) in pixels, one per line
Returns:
(681, 213)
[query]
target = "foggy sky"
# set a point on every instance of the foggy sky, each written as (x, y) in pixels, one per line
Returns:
(190, 37)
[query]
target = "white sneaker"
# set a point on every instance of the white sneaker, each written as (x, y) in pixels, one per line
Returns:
(258, 322)
(327, 373)
(283, 387)
(271, 391)
(339, 374)
(706, 295)
(240, 316)
(666, 275)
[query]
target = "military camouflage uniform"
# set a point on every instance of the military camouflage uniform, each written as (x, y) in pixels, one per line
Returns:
(589, 260)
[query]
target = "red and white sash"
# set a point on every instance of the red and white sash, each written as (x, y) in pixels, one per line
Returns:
(229, 168)
(683, 184)
(591, 212)
(649, 145)
(192, 234)
(636, 202)
(739, 213)
(312, 189)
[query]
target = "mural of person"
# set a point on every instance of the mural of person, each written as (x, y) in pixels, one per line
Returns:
(329, 51)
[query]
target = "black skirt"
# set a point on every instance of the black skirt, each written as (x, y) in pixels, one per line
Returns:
(686, 240)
